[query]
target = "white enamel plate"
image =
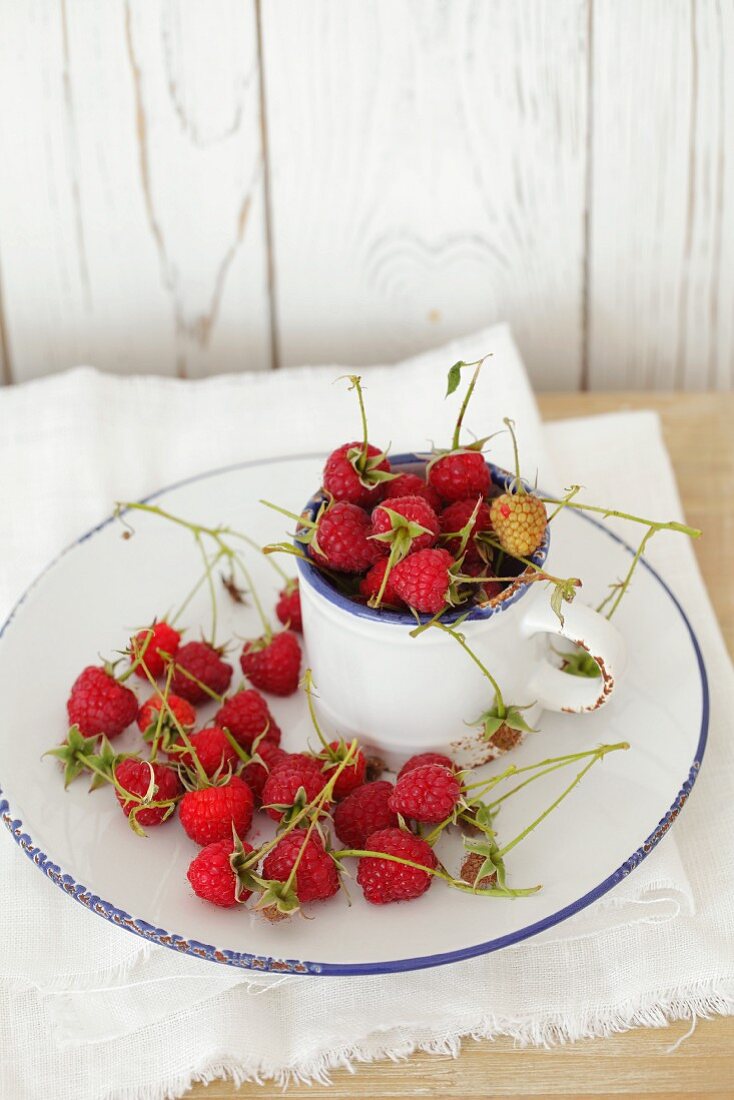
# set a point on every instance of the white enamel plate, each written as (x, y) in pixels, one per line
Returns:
(88, 601)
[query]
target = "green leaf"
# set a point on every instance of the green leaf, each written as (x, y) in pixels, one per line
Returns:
(454, 377)
(581, 664)
(515, 720)
(556, 602)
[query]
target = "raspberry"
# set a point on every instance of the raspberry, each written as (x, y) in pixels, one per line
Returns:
(208, 814)
(316, 878)
(423, 581)
(460, 474)
(213, 877)
(371, 582)
(519, 520)
(98, 703)
(134, 776)
(288, 607)
(212, 749)
(184, 712)
(199, 661)
(292, 784)
(342, 539)
(163, 639)
(342, 480)
(456, 516)
(412, 510)
(247, 716)
(427, 793)
(410, 485)
(491, 588)
(425, 758)
(353, 774)
(384, 880)
(364, 812)
(255, 773)
(273, 664)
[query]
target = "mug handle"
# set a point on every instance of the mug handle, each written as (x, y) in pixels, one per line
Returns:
(557, 690)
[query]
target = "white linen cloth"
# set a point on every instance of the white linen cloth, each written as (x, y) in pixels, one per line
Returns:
(88, 1011)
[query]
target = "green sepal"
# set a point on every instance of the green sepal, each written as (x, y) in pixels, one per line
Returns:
(300, 801)
(367, 469)
(564, 590)
(493, 863)
(105, 759)
(281, 897)
(76, 745)
(491, 722)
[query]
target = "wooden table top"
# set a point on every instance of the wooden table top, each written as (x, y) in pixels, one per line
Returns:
(699, 435)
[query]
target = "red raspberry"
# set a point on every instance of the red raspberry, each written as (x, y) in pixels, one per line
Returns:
(342, 480)
(316, 876)
(456, 516)
(410, 485)
(423, 581)
(371, 582)
(288, 607)
(425, 758)
(281, 790)
(343, 541)
(383, 880)
(134, 776)
(247, 716)
(204, 664)
(213, 751)
(213, 877)
(412, 509)
(491, 588)
(163, 639)
(255, 774)
(209, 814)
(353, 774)
(99, 704)
(148, 716)
(427, 793)
(460, 474)
(273, 664)
(363, 812)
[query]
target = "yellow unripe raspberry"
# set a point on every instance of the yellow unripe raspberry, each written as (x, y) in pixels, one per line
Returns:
(519, 521)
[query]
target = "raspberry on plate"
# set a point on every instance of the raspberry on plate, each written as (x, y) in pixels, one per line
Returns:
(99, 703)
(288, 607)
(154, 643)
(385, 880)
(363, 812)
(149, 782)
(316, 876)
(210, 813)
(273, 664)
(212, 749)
(255, 773)
(213, 873)
(183, 711)
(291, 785)
(199, 666)
(353, 774)
(429, 792)
(425, 758)
(247, 717)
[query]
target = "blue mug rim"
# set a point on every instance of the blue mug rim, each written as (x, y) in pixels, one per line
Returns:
(310, 573)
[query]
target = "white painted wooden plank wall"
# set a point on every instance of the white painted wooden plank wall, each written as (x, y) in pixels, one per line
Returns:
(190, 187)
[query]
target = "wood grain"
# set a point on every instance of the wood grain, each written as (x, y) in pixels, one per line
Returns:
(636, 1063)
(428, 171)
(131, 220)
(661, 247)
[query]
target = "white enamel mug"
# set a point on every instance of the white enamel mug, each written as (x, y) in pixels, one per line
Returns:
(403, 695)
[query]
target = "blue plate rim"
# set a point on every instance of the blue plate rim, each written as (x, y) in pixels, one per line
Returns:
(267, 964)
